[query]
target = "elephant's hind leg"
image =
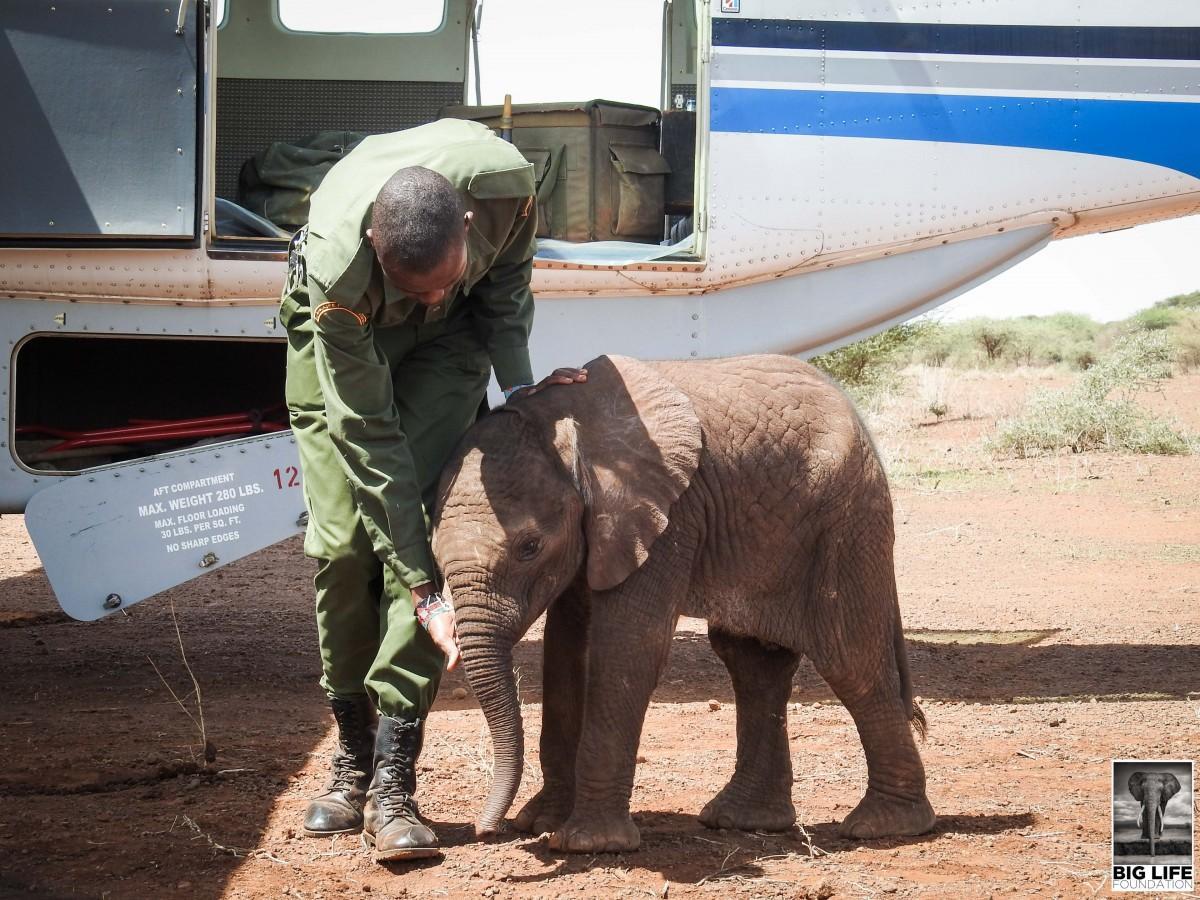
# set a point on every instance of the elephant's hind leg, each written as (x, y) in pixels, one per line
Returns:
(759, 795)
(895, 802)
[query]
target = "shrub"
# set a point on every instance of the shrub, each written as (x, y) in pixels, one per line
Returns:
(1083, 360)
(1186, 338)
(993, 339)
(1180, 301)
(870, 365)
(1099, 412)
(1156, 318)
(1065, 338)
(935, 347)
(1062, 338)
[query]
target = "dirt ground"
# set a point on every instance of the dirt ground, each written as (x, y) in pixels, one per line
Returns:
(1053, 609)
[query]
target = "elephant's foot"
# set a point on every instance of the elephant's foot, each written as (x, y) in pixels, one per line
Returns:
(727, 810)
(882, 815)
(595, 834)
(545, 811)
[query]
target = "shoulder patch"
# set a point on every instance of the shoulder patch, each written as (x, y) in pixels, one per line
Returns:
(326, 308)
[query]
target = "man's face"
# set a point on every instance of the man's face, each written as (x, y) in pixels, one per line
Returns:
(432, 287)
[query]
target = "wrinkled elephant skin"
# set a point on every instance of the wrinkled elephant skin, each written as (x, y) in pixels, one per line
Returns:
(743, 491)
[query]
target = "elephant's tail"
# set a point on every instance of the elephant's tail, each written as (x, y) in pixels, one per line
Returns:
(916, 716)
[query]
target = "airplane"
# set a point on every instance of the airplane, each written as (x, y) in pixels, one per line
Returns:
(814, 173)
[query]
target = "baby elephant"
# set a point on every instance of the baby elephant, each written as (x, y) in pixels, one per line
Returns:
(743, 491)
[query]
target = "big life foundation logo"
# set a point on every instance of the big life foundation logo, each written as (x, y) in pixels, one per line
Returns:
(1152, 825)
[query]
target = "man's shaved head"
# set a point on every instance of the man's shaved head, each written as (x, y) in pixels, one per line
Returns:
(417, 220)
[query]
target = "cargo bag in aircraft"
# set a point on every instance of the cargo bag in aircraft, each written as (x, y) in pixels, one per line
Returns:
(599, 173)
(278, 182)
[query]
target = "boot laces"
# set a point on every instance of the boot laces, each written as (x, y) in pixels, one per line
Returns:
(395, 794)
(345, 770)
(347, 767)
(396, 801)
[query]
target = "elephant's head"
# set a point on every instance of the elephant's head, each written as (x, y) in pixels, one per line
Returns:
(574, 483)
(1152, 790)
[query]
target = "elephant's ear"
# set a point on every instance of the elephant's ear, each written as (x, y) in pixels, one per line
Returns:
(1171, 787)
(1137, 785)
(632, 442)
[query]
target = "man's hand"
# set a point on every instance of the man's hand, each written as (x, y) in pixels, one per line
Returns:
(559, 376)
(440, 624)
(445, 635)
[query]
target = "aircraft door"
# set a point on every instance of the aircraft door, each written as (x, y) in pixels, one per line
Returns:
(100, 107)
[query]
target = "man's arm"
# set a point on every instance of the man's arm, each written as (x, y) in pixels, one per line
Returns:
(504, 311)
(356, 382)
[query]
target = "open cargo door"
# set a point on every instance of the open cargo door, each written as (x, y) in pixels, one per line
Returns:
(112, 536)
(100, 108)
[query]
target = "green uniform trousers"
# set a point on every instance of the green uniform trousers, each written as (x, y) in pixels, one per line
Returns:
(369, 638)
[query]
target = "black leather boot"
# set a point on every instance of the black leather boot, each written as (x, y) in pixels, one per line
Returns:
(340, 809)
(392, 823)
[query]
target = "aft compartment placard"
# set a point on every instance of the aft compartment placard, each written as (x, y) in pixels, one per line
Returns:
(115, 535)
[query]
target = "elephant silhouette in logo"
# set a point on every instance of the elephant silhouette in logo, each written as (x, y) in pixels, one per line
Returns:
(1152, 790)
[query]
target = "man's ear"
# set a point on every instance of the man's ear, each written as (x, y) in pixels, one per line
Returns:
(370, 239)
(467, 217)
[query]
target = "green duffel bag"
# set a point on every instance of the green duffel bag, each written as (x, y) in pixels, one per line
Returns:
(278, 182)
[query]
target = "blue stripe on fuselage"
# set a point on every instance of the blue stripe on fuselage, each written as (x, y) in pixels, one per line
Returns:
(1082, 41)
(1163, 133)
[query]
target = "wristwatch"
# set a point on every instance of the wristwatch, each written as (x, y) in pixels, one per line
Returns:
(431, 607)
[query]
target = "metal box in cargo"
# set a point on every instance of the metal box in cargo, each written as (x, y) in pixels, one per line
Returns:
(599, 173)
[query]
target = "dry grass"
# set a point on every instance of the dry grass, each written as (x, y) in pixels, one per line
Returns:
(1100, 411)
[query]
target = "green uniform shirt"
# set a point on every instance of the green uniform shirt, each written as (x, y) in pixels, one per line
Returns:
(349, 297)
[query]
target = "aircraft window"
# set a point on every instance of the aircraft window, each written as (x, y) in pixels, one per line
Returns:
(362, 16)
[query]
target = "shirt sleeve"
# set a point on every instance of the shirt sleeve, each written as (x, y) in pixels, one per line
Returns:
(504, 313)
(356, 382)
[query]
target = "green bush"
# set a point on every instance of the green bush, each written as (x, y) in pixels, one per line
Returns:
(935, 347)
(1099, 412)
(1180, 301)
(1186, 338)
(993, 338)
(1065, 338)
(870, 365)
(1083, 359)
(1156, 318)
(1070, 340)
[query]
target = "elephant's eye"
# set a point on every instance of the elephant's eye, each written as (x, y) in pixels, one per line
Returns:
(529, 548)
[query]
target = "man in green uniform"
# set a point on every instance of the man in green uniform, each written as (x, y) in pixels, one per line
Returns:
(409, 282)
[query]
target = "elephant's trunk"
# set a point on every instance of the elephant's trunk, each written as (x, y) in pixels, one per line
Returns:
(487, 657)
(1150, 813)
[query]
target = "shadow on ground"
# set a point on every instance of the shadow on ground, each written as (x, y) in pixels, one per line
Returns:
(983, 673)
(104, 788)
(685, 852)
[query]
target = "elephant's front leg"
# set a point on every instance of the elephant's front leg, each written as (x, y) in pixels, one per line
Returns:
(627, 650)
(564, 675)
